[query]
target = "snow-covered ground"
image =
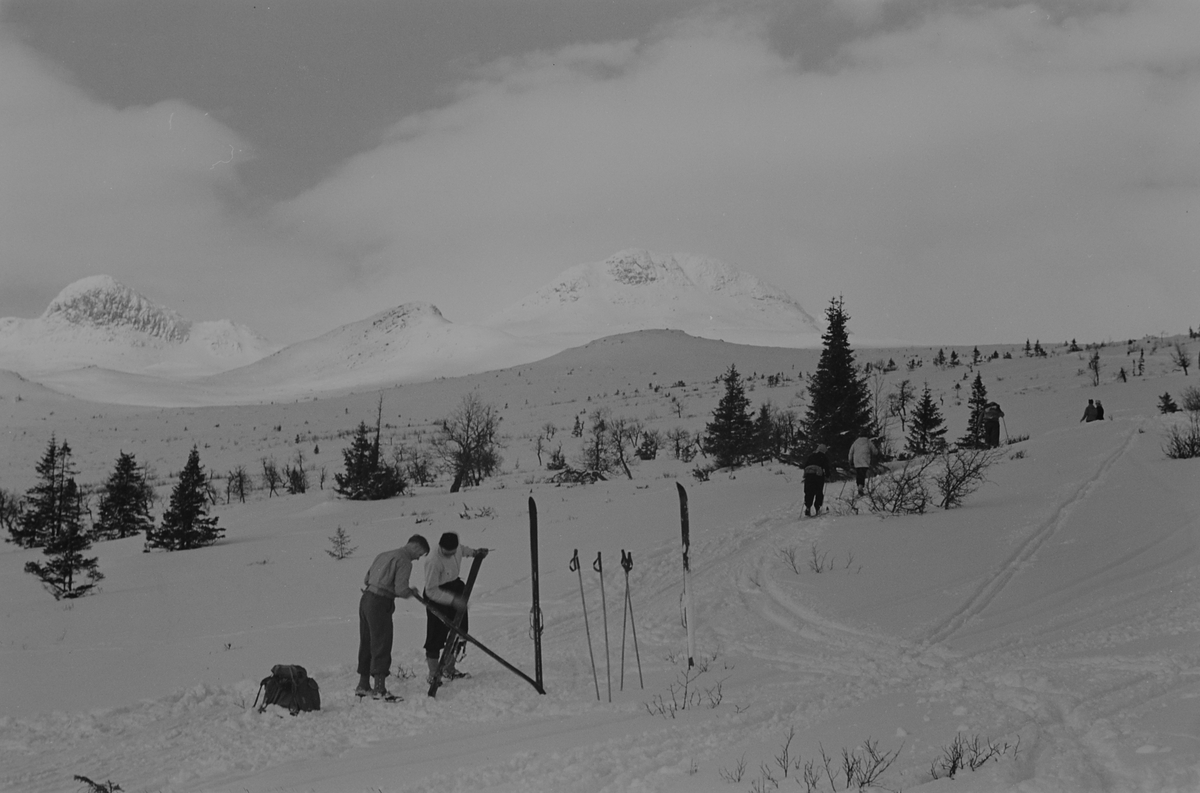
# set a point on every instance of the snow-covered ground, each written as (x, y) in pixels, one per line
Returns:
(1057, 613)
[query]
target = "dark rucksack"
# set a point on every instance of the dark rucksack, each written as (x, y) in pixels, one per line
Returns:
(289, 686)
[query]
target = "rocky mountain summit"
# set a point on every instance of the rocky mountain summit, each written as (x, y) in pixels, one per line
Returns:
(98, 321)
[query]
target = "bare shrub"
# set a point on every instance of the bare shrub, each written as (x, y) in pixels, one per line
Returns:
(963, 471)
(791, 556)
(818, 560)
(969, 754)
(901, 491)
(686, 692)
(1189, 398)
(859, 769)
(1182, 442)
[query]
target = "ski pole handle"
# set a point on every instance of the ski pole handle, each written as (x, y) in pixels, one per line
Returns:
(597, 565)
(574, 566)
(626, 561)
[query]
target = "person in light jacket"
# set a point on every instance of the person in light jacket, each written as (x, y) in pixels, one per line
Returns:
(862, 457)
(444, 592)
(386, 580)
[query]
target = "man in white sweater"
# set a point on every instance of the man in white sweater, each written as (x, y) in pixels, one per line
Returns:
(444, 591)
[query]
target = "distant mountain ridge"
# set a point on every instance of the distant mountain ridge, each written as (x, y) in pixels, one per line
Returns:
(98, 321)
(637, 289)
(98, 338)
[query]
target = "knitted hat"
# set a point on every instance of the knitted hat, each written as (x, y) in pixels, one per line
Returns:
(449, 541)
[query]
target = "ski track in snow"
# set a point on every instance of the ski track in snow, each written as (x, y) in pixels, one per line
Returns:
(1026, 552)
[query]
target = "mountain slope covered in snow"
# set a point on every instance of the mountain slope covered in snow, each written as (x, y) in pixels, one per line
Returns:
(100, 340)
(640, 290)
(98, 321)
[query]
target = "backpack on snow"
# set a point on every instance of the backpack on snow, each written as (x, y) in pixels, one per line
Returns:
(289, 686)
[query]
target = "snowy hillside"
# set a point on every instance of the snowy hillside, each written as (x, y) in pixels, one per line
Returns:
(99, 322)
(409, 343)
(637, 290)
(1054, 617)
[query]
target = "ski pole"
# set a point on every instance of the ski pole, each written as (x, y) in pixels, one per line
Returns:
(598, 566)
(575, 567)
(627, 564)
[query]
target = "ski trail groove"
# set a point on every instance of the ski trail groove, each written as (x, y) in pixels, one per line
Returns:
(993, 586)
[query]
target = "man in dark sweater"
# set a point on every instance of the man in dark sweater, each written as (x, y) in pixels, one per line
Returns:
(816, 470)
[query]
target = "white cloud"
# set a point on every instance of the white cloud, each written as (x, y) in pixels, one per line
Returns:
(979, 175)
(145, 194)
(976, 175)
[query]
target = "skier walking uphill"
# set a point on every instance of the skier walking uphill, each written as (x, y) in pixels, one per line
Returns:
(387, 580)
(816, 470)
(991, 424)
(862, 456)
(444, 589)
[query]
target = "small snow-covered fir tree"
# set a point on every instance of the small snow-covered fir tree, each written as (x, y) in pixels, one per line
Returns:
(341, 544)
(67, 573)
(729, 437)
(125, 501)
(976, 435)
(926, 431)
(186, 523)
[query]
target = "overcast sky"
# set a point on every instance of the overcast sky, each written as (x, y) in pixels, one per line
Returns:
(959, 172)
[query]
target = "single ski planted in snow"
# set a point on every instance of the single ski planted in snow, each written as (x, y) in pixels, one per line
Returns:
(461, 634)
(687, 571)
(452, 640)
(535, 613)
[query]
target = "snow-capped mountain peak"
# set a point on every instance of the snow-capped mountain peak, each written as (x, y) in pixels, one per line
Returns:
(103, 302)
(98, 321)
(637, 289)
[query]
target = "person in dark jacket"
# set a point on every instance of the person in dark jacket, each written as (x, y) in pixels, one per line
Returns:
(1099, 411)
(991, 424)
(816, 470)
(1089, 412)
(387, 580)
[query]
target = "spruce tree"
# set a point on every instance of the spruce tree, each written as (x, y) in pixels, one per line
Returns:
(926, 432)
(125, 503)
(975, 437)
(765, 436)
(368, 476)
(186, 523)
(839, 406)
(66, 573)
(729, 437)
(45, 505)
